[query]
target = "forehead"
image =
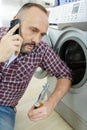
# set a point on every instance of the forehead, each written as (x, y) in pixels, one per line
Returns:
(35, 10)
(36, 17)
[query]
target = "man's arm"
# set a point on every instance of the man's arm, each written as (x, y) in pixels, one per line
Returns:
(62, 87)
(56, 67)
(43, 112)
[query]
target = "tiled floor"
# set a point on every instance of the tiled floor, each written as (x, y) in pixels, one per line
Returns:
(53, 122)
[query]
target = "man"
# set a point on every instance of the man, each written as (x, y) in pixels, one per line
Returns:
(31, 53)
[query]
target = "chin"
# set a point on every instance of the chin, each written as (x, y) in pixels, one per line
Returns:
(25, 50)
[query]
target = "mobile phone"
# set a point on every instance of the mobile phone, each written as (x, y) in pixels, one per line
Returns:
(13, 23)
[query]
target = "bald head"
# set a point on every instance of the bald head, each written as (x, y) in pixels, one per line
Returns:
(28, 6)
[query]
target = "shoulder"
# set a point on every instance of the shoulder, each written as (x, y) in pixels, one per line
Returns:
(43, 46)
(3, 31)
(41, 49)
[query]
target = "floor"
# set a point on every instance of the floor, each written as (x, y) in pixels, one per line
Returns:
(53, 122)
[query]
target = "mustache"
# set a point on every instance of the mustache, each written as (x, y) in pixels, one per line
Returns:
(23, 51)
(29, 43)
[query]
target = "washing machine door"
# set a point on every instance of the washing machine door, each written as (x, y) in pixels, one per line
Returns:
(71, 47)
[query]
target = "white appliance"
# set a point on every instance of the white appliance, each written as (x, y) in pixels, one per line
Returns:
(70, 39)
(62, 2)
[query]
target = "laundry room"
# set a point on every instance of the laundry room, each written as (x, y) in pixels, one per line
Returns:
(43, 64)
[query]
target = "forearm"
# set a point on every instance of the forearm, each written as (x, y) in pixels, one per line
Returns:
(62, 86)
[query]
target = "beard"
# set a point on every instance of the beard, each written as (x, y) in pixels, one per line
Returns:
(27, 47)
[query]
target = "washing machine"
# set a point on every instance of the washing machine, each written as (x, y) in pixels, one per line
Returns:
(70, 39)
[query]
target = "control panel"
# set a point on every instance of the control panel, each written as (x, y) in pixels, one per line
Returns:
(69, 13)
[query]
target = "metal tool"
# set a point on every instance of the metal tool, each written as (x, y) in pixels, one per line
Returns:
(40, 100)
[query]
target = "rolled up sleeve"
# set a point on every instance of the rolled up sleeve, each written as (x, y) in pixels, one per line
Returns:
(53, 64)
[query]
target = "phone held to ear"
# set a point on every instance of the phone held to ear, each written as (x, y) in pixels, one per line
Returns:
(13, 23)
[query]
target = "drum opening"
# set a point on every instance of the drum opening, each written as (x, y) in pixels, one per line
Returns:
(73, 55)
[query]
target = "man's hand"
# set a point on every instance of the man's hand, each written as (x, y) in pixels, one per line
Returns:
(10, 44)
(40, 113)
(62, 87)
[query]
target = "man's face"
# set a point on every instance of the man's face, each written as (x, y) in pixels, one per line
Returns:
(34, 25)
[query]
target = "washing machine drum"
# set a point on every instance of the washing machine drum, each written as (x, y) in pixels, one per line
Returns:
(72, 53)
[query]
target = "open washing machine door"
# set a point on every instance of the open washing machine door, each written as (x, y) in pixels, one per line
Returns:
(71, 47)
(73, 55)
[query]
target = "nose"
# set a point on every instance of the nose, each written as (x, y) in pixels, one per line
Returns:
(36, 38)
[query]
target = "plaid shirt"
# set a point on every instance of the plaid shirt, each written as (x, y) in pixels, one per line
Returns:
(15, 78)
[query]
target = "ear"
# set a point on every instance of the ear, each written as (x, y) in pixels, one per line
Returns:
(48, 13)
(15, 17)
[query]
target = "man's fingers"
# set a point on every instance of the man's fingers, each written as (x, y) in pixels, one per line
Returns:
(17, 37)
(10, 32)
(18, 44)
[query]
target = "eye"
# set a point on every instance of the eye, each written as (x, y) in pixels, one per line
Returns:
(43, 34)
(34, 29)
